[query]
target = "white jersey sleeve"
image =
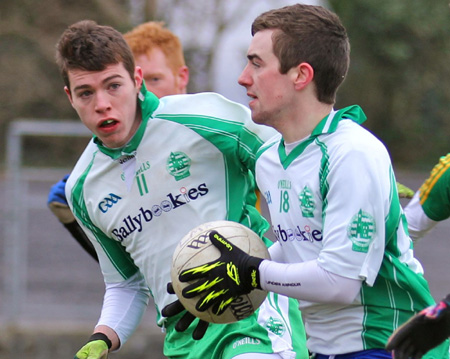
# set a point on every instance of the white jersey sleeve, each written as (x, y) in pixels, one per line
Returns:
(124, 305)
(418, 222)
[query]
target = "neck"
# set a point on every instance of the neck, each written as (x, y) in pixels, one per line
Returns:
(302, 122)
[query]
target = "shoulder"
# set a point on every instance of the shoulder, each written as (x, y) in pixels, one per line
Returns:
(209, 109)
(435, 191)
(439, 176)
(207, 104)
(83, 162)
(352, 137)
(269, 146)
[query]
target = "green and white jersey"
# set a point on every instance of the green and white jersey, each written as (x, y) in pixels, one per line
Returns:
(188, 163)
(333, 198)
(431, 203)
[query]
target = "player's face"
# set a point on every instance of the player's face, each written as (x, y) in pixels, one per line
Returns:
(106, 102)
(270, 91)
(159, 77)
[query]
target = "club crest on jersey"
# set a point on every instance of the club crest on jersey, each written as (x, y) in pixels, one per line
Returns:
(307, 204)
(178, 165)
(361, 231)
(275, 325)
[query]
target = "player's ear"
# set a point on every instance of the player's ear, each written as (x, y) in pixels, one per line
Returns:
(69, 94)
(302, 75)
(138, 76)
(182, 79)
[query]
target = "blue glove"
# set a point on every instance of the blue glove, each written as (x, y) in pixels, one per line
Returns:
(57, 192)
(57, 202)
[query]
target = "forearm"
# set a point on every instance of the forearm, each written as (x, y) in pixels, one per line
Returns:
(418, 222)
(111, 334)
(78, 234)
(123, 308)
(308, 281)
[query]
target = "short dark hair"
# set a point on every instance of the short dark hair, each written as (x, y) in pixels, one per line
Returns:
(312, 34)
(88, 46)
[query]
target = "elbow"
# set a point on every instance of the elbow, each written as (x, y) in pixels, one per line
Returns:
(343, 298)
(344, 295)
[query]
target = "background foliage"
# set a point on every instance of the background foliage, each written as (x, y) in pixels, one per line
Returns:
(399, 73)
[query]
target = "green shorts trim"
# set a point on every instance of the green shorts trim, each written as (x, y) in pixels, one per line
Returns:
(275, 327)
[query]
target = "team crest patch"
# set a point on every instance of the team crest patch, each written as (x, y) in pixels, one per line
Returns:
(178, 165)
(307, 204)
(276, 326)
(361, 231)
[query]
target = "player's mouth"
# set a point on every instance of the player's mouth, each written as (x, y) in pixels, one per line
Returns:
(252, 98)
(107, 124)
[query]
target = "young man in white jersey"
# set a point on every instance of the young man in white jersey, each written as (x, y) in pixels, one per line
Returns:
(342, 247)
(429, 205)
(155, 169)
(159, 53)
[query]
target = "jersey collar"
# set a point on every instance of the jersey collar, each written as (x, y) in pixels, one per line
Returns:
(148, 103)
(327, 125)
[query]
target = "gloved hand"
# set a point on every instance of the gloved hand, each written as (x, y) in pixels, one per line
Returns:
(422, 332)
(186, 320)
(57, 192)
(403, 191)
(223, 280)
(96, 348)
(57, 202)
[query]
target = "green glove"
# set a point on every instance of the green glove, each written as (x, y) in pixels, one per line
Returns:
(403, 191)
(221, 281)
(96, 348)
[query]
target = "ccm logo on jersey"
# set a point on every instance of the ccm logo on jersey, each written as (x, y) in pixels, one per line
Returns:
(108, 202)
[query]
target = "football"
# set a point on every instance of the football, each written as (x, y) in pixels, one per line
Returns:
(196, 249)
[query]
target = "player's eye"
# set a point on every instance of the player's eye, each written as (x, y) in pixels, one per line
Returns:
(255, 64)
(153, 79)
(114, 86)
(84, 94)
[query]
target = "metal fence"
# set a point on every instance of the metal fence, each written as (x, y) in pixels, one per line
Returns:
(28, 238)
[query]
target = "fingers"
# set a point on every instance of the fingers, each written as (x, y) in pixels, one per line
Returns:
(187, 320)
(205, 302)
(406, 350)
(225, 246)
(184, 322)
(219, 301)
(200, 330)
(199, 287)
(221, 306)
(170, 289)
(199, 272)
(219, 241)
(172, 309)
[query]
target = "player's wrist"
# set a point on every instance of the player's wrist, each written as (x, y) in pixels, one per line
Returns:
(252, 266)
(101, 336)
